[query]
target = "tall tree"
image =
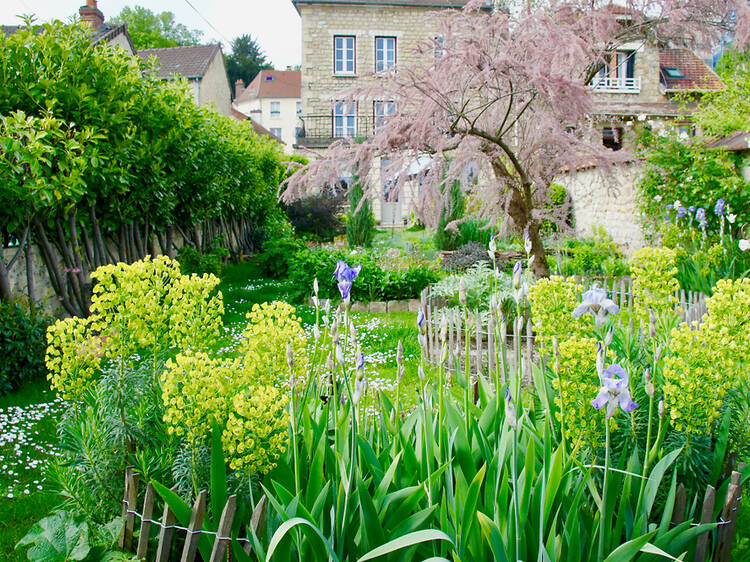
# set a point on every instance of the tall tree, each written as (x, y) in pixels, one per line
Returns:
(246, 60)
(149, 30)
(508, 91)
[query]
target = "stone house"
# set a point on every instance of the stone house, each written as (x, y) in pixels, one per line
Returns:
(273, 100)
(202, 66)
(345, 42)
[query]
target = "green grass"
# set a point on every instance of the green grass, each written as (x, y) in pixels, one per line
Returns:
(30, 410)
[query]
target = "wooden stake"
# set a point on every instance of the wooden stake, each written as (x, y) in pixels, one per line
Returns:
(148, 510)
(224, 530)
(196, 523)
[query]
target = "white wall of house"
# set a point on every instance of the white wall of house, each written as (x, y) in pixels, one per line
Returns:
(213, 88)
(285, 121)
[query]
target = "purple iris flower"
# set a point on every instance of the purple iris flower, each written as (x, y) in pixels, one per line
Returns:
(510, 410)
(360, 360)
(345, 276)
(681, 212)
(614, 391)
(596, 303)
(691, 208)
(669, 206)
(719, 208)
(420, 319)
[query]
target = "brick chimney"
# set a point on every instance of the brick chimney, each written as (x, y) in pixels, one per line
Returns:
(239, 87)
(91, 14)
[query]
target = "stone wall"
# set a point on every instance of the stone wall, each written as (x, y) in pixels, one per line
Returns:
(609, 202)
(321, 22)
(43, 291)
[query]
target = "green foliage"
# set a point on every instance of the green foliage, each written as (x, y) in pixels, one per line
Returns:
(654, 283)
(597, 255)
(692, 174)
(360, 226)
(192, 261)
(700, 268)
(452, 209)
(149, 30)
(22, 344)
(317, 216)
(380, 278)
(151, 159)
(473, 230)
(466, 256)
(278, 256)
(63, 536)
(481, 281)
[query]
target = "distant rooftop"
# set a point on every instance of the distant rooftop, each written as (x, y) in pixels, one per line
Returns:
(190, 61)
(274, 84)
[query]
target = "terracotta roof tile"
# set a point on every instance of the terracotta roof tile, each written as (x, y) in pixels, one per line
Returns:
(190, 61)
(738, 141)
(274, 84)
(696, 75)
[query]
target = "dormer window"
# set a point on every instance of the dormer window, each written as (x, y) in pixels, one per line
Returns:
(673, 72)
(617, 74)
(344, 48)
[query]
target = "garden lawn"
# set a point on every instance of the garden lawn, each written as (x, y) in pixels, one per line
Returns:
(27, 445)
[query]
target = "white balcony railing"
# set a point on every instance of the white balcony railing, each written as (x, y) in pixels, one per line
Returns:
(617, 85)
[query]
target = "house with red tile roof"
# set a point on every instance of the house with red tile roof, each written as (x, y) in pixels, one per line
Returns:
(273, 100)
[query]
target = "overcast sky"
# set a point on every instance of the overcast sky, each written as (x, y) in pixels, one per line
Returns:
(275, 24)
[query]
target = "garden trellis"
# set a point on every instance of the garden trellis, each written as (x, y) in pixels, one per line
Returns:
(483, 350)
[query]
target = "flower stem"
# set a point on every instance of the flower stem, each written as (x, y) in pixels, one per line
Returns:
(602, 518)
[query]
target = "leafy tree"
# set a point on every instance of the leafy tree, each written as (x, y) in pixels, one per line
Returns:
(246, 60)
(361, 226)
(508, 91)
(116, 163)
(726, 111)
(149, 30)
(447, 238)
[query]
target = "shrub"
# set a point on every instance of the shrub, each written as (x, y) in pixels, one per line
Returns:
(21, 344)
(360, 227)
(452, 210)
(472, 230)
(376, 281)
(277, 257)
(317, 216)
(192, 261)
(466, 256)
(597, 255)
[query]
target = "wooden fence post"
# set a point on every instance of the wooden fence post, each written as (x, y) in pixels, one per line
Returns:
(148, 509)
(725, 536)
(224, 530)
(193, 533)
(165, 537)
(130, 502)
(707, 515)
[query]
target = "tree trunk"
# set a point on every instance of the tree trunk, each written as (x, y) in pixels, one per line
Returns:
(30, 276)
(540, 267)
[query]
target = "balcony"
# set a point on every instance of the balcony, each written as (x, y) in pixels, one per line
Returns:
(616, 85)
(318, 131)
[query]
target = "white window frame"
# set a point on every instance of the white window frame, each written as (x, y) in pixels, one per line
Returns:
(344, 54)
(381, 110)
(385, 53)
(273, 131)
(275, 109)
(344, 119)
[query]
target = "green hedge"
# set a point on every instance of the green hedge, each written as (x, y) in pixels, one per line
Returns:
(22, 344)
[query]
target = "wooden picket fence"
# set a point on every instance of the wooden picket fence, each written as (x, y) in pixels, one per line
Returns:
(167, 526)
(483, 349)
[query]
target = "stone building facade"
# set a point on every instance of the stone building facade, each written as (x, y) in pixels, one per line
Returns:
(342, 45)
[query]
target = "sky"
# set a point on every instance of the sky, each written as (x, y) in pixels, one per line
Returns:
(275, 24)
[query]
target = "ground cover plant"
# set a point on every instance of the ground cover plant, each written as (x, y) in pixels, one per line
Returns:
(444, 475)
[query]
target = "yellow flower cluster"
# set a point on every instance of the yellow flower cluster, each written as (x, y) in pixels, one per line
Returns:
(195, 392)
(708, 361)
(580, 384)
(552, 302)
(142, 307)
(257, 430)
(263, 345)
(654, 283)
(73, 358)
(150, 305)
